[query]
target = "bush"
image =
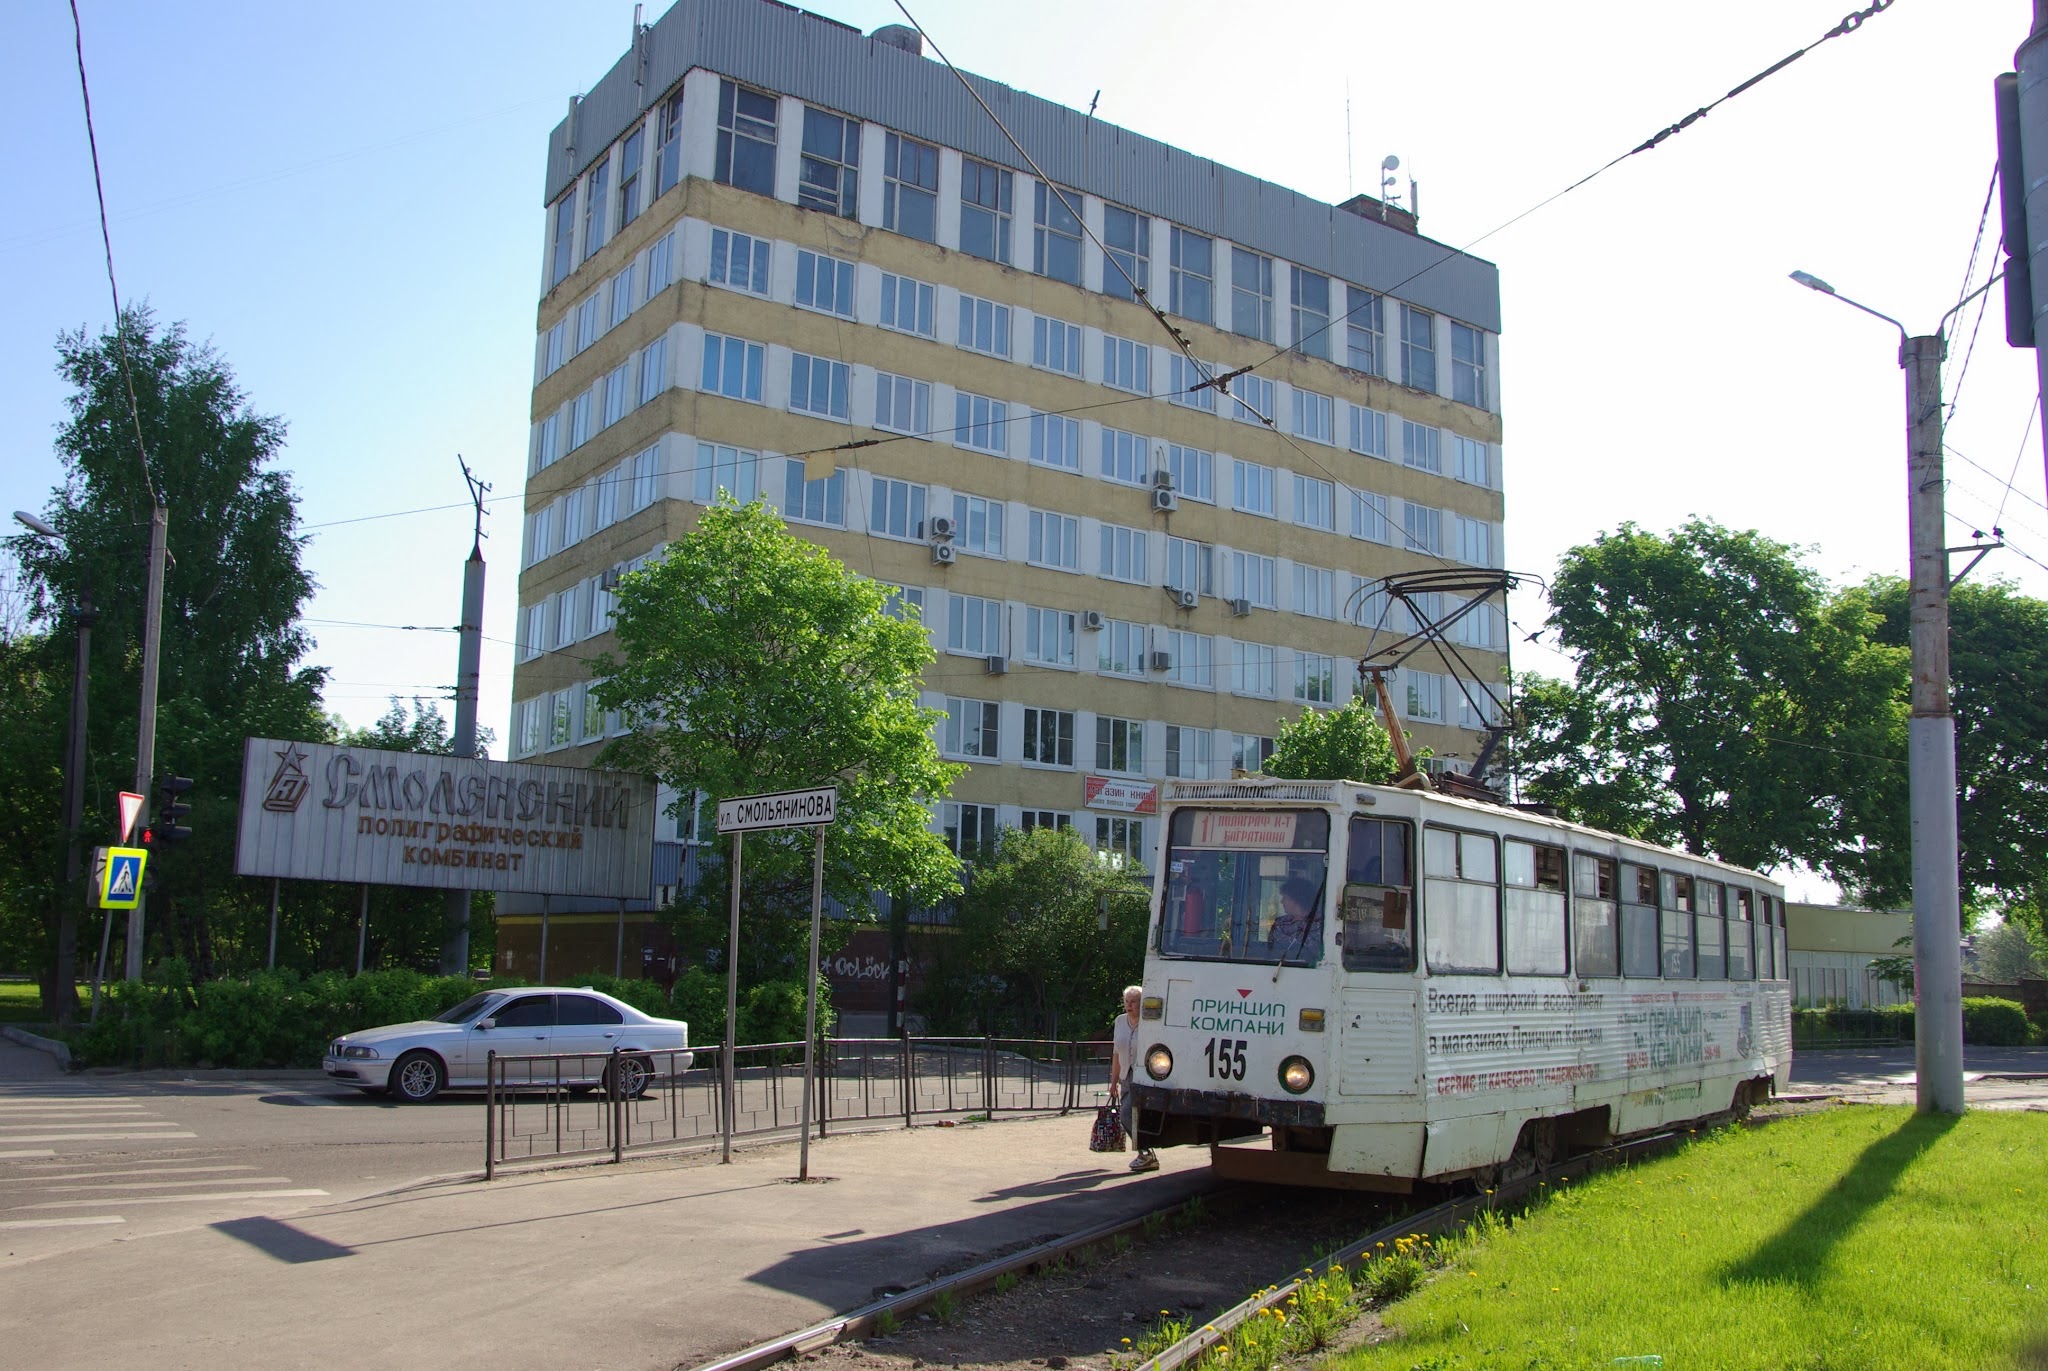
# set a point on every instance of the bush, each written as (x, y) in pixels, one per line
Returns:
(771, 1012)
(1990, 1022)
(1829, 1024)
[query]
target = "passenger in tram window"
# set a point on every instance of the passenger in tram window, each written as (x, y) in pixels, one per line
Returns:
(1300, 924)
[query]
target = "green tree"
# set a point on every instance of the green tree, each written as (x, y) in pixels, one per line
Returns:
(1030, 955)
(750, 660)
(1723, 698)
(233, 591)
(2006, 951)
(1348, 744)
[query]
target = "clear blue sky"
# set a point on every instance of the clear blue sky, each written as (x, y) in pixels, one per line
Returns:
(346, 201)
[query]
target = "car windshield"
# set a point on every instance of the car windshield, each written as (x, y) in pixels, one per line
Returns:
(465, 1011)
(1246, 885)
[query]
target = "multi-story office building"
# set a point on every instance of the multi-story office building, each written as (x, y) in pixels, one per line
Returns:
(768, 233)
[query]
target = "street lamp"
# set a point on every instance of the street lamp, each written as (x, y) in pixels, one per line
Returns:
(83, 616)
(1931, 728)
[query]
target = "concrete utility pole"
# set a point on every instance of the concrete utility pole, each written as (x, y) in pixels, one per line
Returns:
(2032, 63)
(468, 670)
(145, 733)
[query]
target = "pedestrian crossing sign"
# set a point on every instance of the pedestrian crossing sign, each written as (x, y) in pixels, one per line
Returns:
(121, 877)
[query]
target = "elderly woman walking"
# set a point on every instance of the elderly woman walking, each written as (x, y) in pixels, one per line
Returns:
(1123, 1067)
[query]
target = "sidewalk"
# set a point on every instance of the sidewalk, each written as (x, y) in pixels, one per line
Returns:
(650, 1265)
(1993, 1077)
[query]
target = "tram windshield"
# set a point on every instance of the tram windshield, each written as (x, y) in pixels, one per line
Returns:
(1246, 885)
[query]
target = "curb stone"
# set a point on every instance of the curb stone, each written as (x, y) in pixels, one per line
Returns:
(61, 1051)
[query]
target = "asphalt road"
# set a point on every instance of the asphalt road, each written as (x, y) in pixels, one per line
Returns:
(89, 1159)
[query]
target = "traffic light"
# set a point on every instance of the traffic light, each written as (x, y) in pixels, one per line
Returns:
(165, 828)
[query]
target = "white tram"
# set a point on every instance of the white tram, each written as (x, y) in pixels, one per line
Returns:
(1393, 985)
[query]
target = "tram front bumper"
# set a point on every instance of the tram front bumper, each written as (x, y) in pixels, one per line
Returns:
(1218, 1104)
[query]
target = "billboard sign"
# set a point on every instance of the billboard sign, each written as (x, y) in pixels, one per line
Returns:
(323, 812)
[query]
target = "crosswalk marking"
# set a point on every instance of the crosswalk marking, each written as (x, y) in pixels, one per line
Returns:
(100, 1137)
(172, 1185)
(178, 1199)
(29, 1152)
(61, 1223)
(6, 1128)
(82, 1175)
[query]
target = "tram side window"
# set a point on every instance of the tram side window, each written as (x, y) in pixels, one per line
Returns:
(1677, 926)
(1378, 908)
(1639, 922)
(1596, 922)
(1533, 904)
(1741, 960)
(1462, 900)
(1775, 916)
(1709, 937)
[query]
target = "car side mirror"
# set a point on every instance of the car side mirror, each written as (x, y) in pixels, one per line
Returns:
(486, 1025)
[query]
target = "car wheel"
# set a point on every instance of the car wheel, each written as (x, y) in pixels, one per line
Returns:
(635, 1075)
(417, 1077)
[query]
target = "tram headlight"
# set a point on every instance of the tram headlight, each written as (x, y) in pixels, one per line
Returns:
(1296, 1075)
(1158, 1062)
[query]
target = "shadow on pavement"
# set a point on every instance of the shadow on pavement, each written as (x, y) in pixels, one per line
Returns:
(1073, 1182)
(282, 1240)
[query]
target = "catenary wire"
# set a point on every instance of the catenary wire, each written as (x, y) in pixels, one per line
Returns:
(2014, 474)
(1955, 396)
(2006, 483)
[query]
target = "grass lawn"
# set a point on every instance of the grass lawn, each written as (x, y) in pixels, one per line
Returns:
(21, 1002)
(1854, 1239)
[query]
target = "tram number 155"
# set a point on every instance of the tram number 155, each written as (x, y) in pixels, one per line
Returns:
(1225, 1057)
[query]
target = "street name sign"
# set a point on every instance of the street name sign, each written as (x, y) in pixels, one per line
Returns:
(783, 809)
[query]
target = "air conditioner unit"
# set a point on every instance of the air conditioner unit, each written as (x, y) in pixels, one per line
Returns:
(943, 554)
(939, 528)
(1240, 607)
(1162, 480)
(1091, 619)
(998, 665)
(1164, 502)
(608, 579)
(1185, 599)
(1162, 661)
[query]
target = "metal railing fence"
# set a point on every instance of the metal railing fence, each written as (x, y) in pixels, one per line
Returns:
(564, 1105)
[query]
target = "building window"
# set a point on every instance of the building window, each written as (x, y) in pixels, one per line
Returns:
(1048, 636)
(828, 175)
(984, 326)
(1123, 457)
(618, 389)
(1049, 737)
(969, 828)
(746, 139)
(579, 420)
(589, 322)
(1315, 591)
(1251, 294)
(1369, 517)
(1056, 241)
(1056, 441)
(732, 367)
(546, 437)
(730, 471)
(595, 202)
(974, 625)
(1256, 670)
(902, 405)
(1315, 417)
(896, 508)
(553, 348)
(669, 156)
(1423, 695)
(1251, 487)
(536, 640)
(1191, 282)
(1187, 752)
(824, 284)
(622, 296)
(1055, 540)
(661, 259)
(1191, 658)
(1120, 648)
(907, 305)
(971, 728)
(1368, 431)
(978, 525)
(1418, 348)
(910, 188)
(1251, 399)
(1255, 577)
(1423, 526)
(1469, 461)
(1478, 542)
(1123, 554)
(1468, 365)
(1127, 241)
(565, 237)
(1119, 746)
(902, 602)
(645, 475)
(1421, 446)
(1315, 502)
(1127, 365)
(1315, 678)
(1047, 818)
(820, 501)
(1188, 384)
(985, 210)
(530, 724)
(1249, 752)
(629, 175)
(1194, 472)
(1190, 566)
(981, 423)
(818, 386)
(1056, 345)
(1121, 842)
(739, 260)
(1310, 331)
(653, 369)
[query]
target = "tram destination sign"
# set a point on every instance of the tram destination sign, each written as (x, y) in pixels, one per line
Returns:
(784, 809)
(322, 812)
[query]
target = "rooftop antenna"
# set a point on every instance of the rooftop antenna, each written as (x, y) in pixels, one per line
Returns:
(1388, 195)
(1093, 101)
